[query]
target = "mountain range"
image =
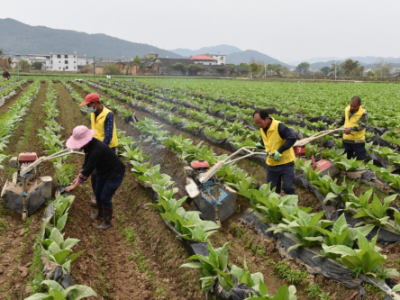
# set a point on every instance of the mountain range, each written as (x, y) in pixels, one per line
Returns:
(20, 38)
(17, 37)
(367, 62)
(233, 55)
(220, 49)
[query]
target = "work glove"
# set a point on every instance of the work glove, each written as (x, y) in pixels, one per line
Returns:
(277, 155)
(259, 146)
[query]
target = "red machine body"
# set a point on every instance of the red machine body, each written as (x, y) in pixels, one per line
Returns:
(322, 164)
(200, 164)
(28, 157)
(299, 150)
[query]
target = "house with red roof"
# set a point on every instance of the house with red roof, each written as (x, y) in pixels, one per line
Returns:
(202, 59)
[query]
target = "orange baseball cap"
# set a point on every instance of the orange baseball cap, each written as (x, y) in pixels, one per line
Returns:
(90, 98)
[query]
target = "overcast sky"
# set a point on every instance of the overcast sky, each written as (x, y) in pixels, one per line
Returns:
(288, 30)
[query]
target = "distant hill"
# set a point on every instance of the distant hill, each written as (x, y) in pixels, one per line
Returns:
(248, 56)
(368, 63)
(313, 60)
(17, 37)
(370, 60)
(221, 49)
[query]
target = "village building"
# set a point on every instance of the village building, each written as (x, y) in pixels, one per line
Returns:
(125, 68)
(208, 66)
(63, 62)
(55, 61)
(41, 58)
(202, 59)
(221, 59)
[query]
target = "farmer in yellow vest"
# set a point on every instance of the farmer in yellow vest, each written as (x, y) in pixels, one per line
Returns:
(103, 124)
(355, 123)
(278, 139)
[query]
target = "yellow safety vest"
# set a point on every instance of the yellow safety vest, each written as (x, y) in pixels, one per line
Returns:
(272, 142)
(353, 122)
(98, 127)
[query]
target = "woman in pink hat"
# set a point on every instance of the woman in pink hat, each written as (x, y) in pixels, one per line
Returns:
(110, 171)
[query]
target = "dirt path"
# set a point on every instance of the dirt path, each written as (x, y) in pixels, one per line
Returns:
(16, 237)
(306, 198)
(260, 253)
(121, 263)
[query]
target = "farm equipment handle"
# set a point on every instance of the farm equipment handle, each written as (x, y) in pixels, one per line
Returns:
(214, 169)
(46, 158)
(316, 136)
(218, 165)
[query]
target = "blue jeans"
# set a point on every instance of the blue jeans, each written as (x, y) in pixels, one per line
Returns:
(105, 189)
(279, 173)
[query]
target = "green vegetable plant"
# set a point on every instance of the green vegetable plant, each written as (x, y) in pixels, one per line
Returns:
(396, 288)
(342, 234)
(349, 164)
(133, 153)
(284, 293)
(304, 227)
(269, 203)
(63, 172)
(236, 178)
(56, 243)
(190, 225)
(152, 175)
(331, 153)
(2, 158)
(364, 260)
(169, 205)
(215, 264)
(372, 212)
(385, 175)
(61, 206)
(57, 292)
(58, 250)
(326, 185)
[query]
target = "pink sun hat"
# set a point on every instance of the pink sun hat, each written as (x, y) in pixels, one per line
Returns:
(80, 137)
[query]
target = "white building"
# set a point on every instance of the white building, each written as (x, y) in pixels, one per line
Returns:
(63, 62)
(42, 58)
(209, 59)
(57, 61)
(201, 59)
(220, 58)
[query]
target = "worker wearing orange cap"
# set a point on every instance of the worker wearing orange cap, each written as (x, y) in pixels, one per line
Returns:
(103, 124)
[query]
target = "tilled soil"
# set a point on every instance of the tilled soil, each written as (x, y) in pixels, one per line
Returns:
(16, 237)
(260, 253)
(127, 261)
(137, 258)
(306, 198)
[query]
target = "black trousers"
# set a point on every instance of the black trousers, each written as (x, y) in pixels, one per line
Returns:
(285, 173)
(93, 176)
(356, 150)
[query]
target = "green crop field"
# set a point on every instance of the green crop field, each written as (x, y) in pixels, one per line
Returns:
(338, 235)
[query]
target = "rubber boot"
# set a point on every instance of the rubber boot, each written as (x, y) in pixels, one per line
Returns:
(107, 216)
(93, 201)
(99, 213)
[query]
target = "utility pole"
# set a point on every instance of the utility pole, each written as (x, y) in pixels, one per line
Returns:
(335, 69)
(17, 65)
(265, 70)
